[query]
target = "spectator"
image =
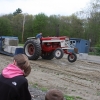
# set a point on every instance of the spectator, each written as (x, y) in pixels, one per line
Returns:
(13, 84)
(54, 94)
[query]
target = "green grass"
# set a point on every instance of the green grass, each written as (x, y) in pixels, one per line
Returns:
(69, 97)
(98, 93)
(20, 44)
(91, 53)
(35, 85)
(41, 88)
(44, 89)
(72, 97)
(78, 97)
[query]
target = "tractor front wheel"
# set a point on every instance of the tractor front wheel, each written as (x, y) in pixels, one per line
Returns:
(72, 57)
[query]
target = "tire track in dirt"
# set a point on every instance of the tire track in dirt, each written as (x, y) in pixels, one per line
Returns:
(84, 78)
(70, 72)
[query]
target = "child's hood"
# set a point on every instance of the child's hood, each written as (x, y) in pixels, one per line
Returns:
(11, 71)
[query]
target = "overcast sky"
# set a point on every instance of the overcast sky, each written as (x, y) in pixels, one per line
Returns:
(49, 7)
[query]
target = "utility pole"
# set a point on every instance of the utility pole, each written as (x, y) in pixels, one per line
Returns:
(57, 30)
(23, 26)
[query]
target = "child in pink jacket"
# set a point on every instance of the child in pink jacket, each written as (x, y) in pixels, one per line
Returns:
(13, 84)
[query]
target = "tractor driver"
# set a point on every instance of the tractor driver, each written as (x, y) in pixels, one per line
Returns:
(38, 36)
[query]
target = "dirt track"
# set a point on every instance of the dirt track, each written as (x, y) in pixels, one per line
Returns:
(81, 79)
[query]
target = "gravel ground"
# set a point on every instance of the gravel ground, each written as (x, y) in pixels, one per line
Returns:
(37, 94)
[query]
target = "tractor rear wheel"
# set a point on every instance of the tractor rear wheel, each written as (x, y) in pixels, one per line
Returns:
(32, 49)
(72, 57)
(47, 56)
(58, 53)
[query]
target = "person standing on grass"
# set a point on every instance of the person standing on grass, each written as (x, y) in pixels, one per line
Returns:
(54, 94)
(13, 84)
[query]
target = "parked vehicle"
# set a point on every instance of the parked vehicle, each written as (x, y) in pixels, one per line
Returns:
(9, 45)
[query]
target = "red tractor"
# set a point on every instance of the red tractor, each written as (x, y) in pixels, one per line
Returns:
(48, 48)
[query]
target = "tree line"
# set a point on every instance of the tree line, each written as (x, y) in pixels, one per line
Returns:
(84, 24)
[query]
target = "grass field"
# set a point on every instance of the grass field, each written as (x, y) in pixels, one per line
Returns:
(20, 44)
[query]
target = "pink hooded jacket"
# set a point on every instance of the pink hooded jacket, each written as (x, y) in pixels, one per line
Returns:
(11, 71)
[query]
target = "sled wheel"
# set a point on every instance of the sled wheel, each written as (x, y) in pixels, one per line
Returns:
(47, 56)
(32, 49)
(72, 57)
(58, 53)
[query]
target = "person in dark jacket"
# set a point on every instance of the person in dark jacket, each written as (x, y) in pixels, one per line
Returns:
(54, 94)
(13, 84)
